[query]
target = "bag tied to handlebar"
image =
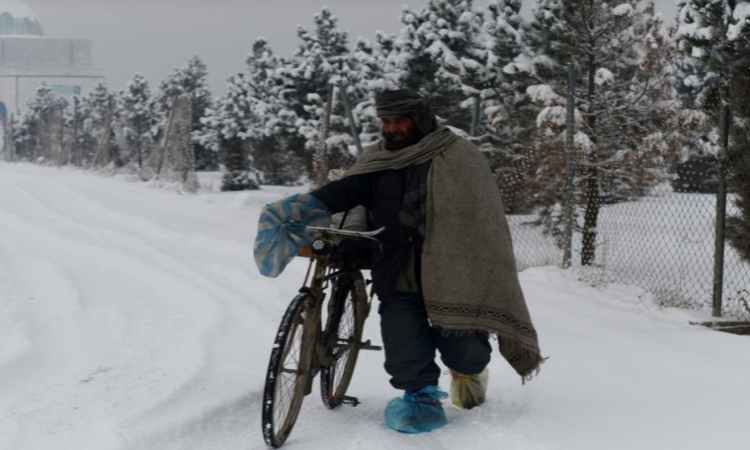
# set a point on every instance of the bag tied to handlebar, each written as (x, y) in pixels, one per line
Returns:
(282, 231)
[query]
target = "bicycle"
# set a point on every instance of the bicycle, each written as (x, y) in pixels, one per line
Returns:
(303, 348)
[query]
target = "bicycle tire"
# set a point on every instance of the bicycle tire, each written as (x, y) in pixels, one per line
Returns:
(343, 334)
(288, 370)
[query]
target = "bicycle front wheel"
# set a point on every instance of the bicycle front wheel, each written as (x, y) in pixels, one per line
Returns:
(343, 334)
(288, 371)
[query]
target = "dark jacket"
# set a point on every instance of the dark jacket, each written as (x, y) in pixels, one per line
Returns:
(382, 193)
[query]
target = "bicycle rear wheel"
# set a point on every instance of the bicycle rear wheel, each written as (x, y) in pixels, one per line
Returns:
(343, 334)
(288, 370)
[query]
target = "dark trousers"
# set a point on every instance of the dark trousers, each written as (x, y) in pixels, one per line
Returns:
(410, 343)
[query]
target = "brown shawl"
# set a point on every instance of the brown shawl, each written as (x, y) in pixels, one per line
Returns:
(469, 275)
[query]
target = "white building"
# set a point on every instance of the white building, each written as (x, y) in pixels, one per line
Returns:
(28, 59)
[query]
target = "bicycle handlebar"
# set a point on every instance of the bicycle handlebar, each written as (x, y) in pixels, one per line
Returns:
(363, 234)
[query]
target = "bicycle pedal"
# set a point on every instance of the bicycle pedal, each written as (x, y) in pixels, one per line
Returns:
(346, 400)
(368, 346)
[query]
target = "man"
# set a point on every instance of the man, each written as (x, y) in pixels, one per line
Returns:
(446, 276)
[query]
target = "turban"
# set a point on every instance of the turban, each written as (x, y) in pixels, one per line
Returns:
(403, 102)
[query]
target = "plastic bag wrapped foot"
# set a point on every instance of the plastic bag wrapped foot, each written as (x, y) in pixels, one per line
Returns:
(469, 391)
(417, 411)
(282, 233)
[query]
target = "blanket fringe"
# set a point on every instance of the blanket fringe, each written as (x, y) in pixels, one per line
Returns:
(534, 372)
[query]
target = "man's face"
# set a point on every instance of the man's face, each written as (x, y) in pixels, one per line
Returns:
(399, 132)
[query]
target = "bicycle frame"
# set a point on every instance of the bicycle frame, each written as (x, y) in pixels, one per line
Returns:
(321, 253)
(304, 347)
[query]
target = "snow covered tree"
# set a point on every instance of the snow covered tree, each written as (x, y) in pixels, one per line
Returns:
(270, 124)
(430, 53)
(738, 225)
(625, 96)
(39, 132)
(223, 132)
(371, 77)
(74, 137)
(100, 109)
(322, 59)
(507, 136)
(190, 80)
(86, 123)
(716, 33)
(139, 119)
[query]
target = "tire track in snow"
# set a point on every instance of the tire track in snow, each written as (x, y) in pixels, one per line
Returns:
(50, 311)
(128, 245)
(143, 321)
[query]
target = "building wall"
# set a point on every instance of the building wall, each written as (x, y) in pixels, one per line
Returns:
(38, 53)
(26, 63)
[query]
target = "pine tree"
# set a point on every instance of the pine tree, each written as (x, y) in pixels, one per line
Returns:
(322, 60)
(140, 119)
(191, 80)
(431, 54)
(94, 109)
(223, 132)
(40, 127)
(625, 90)
(270, 124)
(716, 33)
(372, 75)
(508, 134)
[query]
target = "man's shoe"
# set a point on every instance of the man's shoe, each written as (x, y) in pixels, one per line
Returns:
(418, 411)
(468, 391)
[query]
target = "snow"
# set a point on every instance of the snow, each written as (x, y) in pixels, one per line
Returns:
(741, 21)
(583, 143)
(553, 115)
(692, 30)
(543, 94)
(134, 318)
(604, 76)
(624, 9)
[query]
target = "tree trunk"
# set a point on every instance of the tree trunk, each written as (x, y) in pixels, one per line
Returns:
(591, 188)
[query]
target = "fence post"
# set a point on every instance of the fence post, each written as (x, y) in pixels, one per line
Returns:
(350, 116)
(320, 159)
(103, 152)
(73, 153)
(721, 210)
(10, 144)
(569, 167)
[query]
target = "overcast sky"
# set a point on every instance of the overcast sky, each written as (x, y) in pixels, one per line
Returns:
(153, 37)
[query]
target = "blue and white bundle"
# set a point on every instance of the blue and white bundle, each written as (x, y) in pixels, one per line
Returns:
(282, 232)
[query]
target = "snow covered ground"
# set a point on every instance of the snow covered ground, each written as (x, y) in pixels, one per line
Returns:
(134, 318)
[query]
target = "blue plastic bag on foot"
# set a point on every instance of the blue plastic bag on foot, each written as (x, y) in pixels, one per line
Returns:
(418, 411)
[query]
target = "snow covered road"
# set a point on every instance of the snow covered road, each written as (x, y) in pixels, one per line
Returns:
(134, 318)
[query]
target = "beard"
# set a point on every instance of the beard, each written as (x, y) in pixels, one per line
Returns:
(399, 141)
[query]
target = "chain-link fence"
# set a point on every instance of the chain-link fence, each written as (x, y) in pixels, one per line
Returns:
(664, 240)
(55, 142)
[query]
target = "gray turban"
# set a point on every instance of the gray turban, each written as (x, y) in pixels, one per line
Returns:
(404, 102)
